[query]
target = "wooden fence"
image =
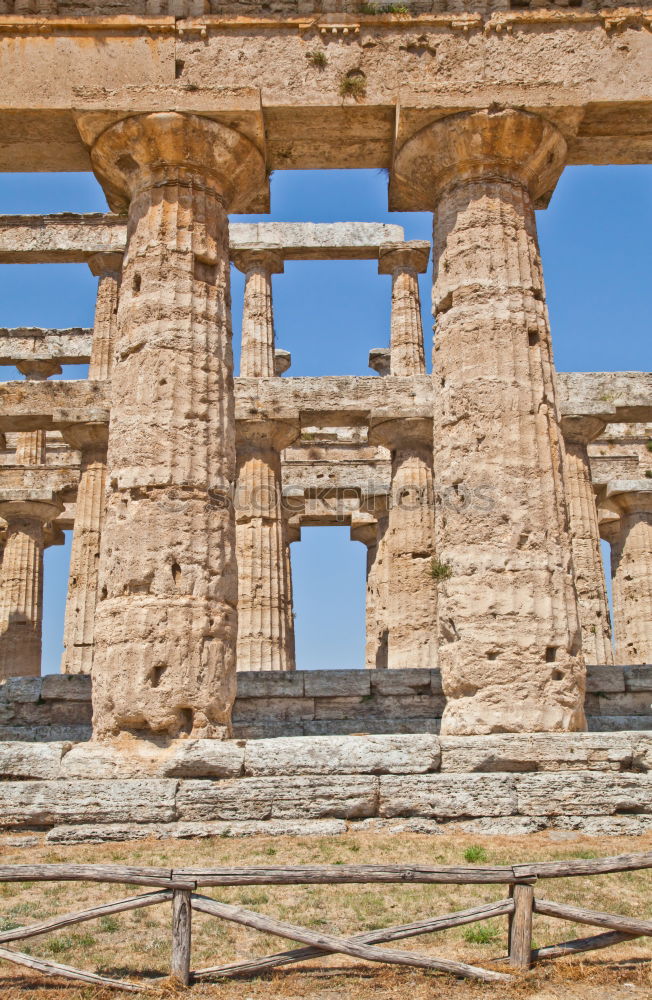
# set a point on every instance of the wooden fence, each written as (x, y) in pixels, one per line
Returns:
(179, 886)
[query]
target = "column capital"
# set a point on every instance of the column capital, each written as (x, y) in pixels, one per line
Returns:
(271, 261)
(582, 428)
(380, 360)
(257, 434)
(282, 361)
(411, 256)
(403, 432)
(39, 371)
(505, 145)
(629, 496)
(364, 528)
(80, 436)
(103, 265)
(151, 149)
(34, 507)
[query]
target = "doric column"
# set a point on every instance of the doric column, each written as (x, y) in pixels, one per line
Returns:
(631, 568)
(510, 648)
(585, 537)
(265, 626)
(21, 585)
(166, 622)
(31, 445)
(405, 263)
(91, 441)
(411, 616)
(257, 353)
(372, 532)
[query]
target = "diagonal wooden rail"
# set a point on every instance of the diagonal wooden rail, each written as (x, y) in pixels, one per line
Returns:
(179, 886)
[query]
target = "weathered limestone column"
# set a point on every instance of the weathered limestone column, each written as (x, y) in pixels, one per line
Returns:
(21, 586)
(585, 536)
(257, 352)
(372, 532)
(265, 636)
(166, 623)
(631, 567)
(91, 440)
(405, 263)
(510, 648)
(410, 544)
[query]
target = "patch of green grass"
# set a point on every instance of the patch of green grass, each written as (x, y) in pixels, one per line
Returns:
(66, 943)
(109, 925)
(317, 58)
(440, 570)
(481, 934)
(475, 854)
(388, 8)
(353, 85)
(7, 924)
(253, 898)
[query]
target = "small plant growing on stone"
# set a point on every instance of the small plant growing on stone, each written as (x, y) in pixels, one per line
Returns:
(648, 444)
(648, 473)
(475, 854)
(440, 570)
(317, 58)
(388, 8)
(353, 85)
(481, 934)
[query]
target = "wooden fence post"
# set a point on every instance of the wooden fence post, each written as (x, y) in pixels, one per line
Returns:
(520, 931)
(181, 935)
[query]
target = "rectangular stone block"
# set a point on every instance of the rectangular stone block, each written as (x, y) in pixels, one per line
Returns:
(321, 797)
(334, 683)
(45, 803)
(31, 761)
(604, 678)
(618, 723)
(435, 682)
(584, 793)
(343, 755)
(412, 706)
(275, 684)
(20, 689)
(266, 730)
(271, 710)
(45, 734)
(393, 682)
(642, 758)
(444, 796)
(116, 832)
(67, 687)
(538, 752)
(626, 703)
(368, 725)
(205, 759)
(638, 678)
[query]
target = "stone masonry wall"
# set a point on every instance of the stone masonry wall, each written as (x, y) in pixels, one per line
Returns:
(597, 783)
(315, 703)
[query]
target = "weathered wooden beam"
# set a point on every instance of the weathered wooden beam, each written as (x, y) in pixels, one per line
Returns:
(520, 927)
(340, 945)
(181, 936)
(614, 921)
(67, 971)
(397, 933)
(345, 874)
(579, 945)
(94, 873)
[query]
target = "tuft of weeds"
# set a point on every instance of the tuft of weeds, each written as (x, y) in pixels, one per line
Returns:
(481, 934)
(440, 570)
(353, 85)
(317, 58)
(109, 925)
(387, 8)
(475, 854)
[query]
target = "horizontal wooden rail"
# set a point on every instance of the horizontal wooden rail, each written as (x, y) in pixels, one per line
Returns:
(179, 885)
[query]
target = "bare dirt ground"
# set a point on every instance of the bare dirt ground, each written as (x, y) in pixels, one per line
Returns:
(136, 945)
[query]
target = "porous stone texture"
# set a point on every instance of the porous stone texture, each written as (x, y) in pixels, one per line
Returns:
(631, 567)
(191, 831)
(45, 803)
(343, 755)
(592, 604)
(508, 627)
(166, 624)
(440, 796)
(539, 752)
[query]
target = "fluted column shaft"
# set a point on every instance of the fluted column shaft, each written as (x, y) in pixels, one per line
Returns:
(166, 622)
(21, 574)
(509, 632)
(372, 532)
(81, 602)
(411, 615)
(265, 620)
(257, 351)
(631, 567)
(585, 535)
(407, 355)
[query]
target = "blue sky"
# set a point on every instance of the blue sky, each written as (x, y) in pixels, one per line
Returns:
(597, 254)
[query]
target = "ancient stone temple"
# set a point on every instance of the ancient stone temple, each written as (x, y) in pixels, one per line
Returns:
(481, 491)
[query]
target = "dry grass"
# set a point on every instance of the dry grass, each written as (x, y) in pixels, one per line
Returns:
(137, 944)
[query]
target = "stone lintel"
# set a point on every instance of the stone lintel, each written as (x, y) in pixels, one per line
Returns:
(37, 480)
(614, 396)
(629, 495)
(28, 344)
(72, 238)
